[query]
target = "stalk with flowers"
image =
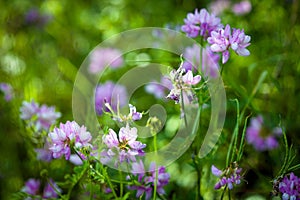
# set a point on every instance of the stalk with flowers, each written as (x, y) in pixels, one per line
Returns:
(76, 163)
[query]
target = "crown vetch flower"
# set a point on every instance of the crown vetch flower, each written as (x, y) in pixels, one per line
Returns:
(147, 179)
(104, 57)
(200, 23)
(32, 186)
(67, 136)
(221, 40)
(230, 176)
(125, 147)
(261, 137)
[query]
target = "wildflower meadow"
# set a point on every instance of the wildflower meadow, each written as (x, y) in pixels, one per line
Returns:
(123, 99)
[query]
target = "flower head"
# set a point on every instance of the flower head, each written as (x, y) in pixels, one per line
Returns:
(262, 138)
(242, 7)
(111, 93)
(31, 187)
(40, 117)
(7, 91)
(230, 176)
(221, 40)
(200, 23)
(147, 179)
(290, 187)
(104, 57)
(68, 136)
(124, 146)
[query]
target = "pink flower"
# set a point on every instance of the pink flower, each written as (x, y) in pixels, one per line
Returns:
(125, 147)
(242, 7)
(68, 136)
(260, 137)
(200, 23)
(189, 79)
(105, 57)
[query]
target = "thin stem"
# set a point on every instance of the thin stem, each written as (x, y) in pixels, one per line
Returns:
(121, 183)
(155, 186)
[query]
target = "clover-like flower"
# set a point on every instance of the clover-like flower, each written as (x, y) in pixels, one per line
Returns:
(7, 90)
(221, 40)
(200, 23)
(40, 117)
(124, 147)
(229, 177)
(66, 137)
(148, 178)
(289, 186)
(261, 137)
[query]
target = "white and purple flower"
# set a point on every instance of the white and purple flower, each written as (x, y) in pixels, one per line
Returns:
(7, 90)
(261, 137)
(68, 136)
(229, 177)
(289, 186)
(105, 57)
(200, 23)
(41, 118)
(123, 147)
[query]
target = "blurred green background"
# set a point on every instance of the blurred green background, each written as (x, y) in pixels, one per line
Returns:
(40, 58)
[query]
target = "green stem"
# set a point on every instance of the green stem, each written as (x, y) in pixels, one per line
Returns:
(155, 185)
(121, 183)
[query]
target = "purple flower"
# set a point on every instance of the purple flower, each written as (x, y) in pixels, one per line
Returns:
(28, 110)
(46, 117)
(209, 60)
(111, 93)
(67, 136)
(34, 17)
(182, 83)
(260, 136)
(148, 179)
(200, 23)
(189, 79)
(7, 91)
(31, 187)
(290, 187)
(239, 41)
(104, 57)
(159, 89)
(242, 7)
(125, 147)
(39, 117)
(230, 176)
(217, 7)
(134, 115)
(50, 190)
(222, 39)
(44, 154)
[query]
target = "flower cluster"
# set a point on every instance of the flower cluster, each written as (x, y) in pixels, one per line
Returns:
(182, 82)
(148, 179)
(67, 136)
(40, 117)
(32, 188)
(7, 91)
(124, 146)
(262, 138)
(289, 186)
(223, 39)
(104, 57)
(229, 177)
(200, 23)
(114, 94)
